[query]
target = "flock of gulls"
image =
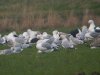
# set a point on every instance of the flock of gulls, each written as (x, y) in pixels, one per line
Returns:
(45, 42)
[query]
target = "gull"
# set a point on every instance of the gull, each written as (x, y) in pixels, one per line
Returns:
(44, 46)
(66, 42)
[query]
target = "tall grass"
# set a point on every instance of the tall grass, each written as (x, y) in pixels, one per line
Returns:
(20, 15)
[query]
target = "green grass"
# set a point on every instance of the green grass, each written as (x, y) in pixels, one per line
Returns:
(3, 47)
(61, 62)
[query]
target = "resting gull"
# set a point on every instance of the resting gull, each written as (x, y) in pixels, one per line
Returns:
(44, 46)
(66, 42)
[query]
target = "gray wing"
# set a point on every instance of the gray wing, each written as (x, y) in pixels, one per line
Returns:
(96, 42)
(57, 42)
(84, 31)
(46, 45)
(6, 52)
(65, 43)
(94, 34)
(1, 40)
(17, 50)
(50, 40)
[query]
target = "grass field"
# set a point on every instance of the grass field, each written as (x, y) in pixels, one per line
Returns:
(61, 62)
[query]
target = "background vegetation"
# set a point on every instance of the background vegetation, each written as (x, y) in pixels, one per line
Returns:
(20, 15)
